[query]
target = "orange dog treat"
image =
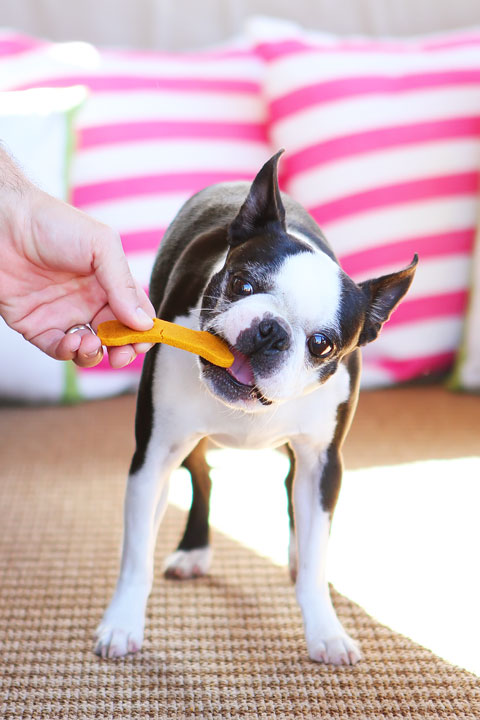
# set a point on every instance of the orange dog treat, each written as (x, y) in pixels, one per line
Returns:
(199, 342)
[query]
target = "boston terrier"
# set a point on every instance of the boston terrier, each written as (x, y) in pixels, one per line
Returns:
(248, 264)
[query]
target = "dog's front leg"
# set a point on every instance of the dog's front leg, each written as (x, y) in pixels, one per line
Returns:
(316, 485)
(121, 629)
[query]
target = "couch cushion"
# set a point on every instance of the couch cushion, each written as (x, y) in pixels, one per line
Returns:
(382, 143)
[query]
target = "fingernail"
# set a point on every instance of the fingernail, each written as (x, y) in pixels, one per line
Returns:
(93, 353)
(142, 348)
(127, 357)
(143, 317)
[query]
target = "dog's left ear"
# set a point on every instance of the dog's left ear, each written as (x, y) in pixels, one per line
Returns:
(383, 295)
(262, 207)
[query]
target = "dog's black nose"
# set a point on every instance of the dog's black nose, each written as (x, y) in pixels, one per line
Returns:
(271, 337)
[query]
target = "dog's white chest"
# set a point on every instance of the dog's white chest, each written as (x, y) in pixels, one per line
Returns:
(253, 438)
(313, 415)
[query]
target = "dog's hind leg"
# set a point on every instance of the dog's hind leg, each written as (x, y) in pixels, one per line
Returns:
(193, 555)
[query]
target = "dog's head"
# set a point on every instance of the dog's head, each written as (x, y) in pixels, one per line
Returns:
(284, 306)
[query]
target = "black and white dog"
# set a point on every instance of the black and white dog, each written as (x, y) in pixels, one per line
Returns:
(250, 265)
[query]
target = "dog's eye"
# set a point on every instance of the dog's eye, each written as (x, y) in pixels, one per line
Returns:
(320, 346)
(239, 286)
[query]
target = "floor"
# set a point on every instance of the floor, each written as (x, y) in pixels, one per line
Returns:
(406, 533)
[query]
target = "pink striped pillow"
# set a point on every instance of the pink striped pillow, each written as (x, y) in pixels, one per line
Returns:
(382, 146)
(156, 128)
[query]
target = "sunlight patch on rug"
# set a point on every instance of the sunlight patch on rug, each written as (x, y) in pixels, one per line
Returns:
(405, 539)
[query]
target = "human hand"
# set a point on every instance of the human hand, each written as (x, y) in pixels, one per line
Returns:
(60, 268)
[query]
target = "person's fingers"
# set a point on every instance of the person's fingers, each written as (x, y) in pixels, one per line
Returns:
(68, 346)
(142, 348)
(144, 301)
(85, 349)
(82, 346)
(120, 357)
(56, 344)
(128, 302)
(90, 351)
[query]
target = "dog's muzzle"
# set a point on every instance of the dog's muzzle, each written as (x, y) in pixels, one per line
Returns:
(265, 343)
(259, 351)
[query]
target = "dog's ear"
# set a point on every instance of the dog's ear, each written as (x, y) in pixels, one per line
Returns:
(262, 207)
(383, 295)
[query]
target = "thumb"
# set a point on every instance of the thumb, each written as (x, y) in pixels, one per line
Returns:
(127, 301)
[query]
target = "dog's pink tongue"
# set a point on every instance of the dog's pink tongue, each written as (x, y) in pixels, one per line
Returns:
(241, 369)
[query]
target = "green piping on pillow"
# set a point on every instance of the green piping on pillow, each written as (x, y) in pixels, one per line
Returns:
(71, 393)
(465, 375)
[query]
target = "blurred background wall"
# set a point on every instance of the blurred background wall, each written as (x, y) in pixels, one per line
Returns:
(172, 24)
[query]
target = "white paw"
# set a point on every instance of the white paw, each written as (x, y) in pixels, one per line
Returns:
(114, 642)
(186, 564)
(121, 630)
(338, 649)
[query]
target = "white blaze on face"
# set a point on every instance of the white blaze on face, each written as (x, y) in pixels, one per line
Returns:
(308, 294)
(309, 286)
(242, 313)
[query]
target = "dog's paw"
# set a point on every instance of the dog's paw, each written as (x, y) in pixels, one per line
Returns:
(121, 630)
(337, 650)
(114, 641)
(186, 564)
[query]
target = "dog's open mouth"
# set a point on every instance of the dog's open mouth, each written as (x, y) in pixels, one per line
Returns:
(241, 376)
(242, 373)
(241, 370)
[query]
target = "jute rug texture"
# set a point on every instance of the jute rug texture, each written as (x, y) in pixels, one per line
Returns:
(229, 645)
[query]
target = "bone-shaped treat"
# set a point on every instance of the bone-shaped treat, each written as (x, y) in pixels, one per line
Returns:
(199, 342)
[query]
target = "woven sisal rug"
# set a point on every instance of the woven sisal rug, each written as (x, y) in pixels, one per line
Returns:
(227, 646)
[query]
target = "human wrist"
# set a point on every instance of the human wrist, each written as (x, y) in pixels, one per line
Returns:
(12, 180)
(15, 190)
(16, 198)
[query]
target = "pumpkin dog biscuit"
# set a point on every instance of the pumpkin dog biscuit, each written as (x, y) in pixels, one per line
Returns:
(199, 342)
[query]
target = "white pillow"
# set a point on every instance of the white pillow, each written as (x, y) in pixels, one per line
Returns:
(36, 129)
